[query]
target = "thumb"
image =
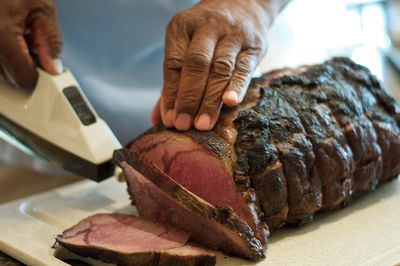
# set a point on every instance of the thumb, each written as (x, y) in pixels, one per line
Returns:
(45, 37)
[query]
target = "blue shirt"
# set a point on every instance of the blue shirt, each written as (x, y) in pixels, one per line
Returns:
(115, 50)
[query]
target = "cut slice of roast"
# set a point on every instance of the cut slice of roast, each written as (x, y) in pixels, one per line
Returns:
(128, 240)
(159, 197)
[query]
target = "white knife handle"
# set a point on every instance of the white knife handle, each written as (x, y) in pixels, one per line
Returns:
(58, 111)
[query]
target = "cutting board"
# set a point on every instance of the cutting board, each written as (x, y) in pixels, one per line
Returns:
(367, 232)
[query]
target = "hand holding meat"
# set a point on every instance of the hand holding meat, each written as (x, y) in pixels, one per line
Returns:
(28, 26)
(211, 51)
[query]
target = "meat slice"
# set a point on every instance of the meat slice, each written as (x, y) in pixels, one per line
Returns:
(159, 197)
(129, 240)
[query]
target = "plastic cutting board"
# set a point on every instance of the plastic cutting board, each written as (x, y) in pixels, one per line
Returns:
(367, 232)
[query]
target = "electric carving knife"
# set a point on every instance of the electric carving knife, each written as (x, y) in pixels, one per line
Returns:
(55, 121)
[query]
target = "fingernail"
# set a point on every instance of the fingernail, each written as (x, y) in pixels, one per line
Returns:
(58, 66)
(231, 96)
(169, 118)
(183, 122)
(204, 122)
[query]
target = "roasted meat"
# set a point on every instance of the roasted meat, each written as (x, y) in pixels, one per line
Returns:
(303, 140)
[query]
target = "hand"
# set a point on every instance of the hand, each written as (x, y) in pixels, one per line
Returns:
(28, 25)
(211, 51)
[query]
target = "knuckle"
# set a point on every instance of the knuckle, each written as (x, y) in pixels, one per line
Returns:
(50, 5)
(245, 65)
(210, 104)
(179, 17)
(213, 97)
(188, 103)
(198, 61)
(169, 94)
(223, 66)
(239, 80)
(44, 8)
(173, 63)
(178, 20)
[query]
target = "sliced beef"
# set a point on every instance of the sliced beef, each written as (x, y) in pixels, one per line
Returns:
(129, 240)
(183, 160)
(303, 140)
(158, 197)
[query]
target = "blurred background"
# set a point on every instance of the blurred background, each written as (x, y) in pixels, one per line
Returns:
(310, 31)
(115, 49)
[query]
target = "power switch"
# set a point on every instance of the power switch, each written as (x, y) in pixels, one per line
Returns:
(79, 105)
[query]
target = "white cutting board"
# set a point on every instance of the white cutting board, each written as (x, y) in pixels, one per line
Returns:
(367, 232)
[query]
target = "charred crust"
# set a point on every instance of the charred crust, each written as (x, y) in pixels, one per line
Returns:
(287, 80)
(226, 216)
(211, 141)
(252, 147)
(347, 89)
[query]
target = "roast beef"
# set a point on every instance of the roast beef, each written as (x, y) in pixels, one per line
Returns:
(161, 198)
(303, 140)
(128, 240)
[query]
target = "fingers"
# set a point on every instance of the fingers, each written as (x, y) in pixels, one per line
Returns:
(245, 65)
(208, 62)
(28, 26)
(45, 36)
(194, 78)
(176, 43)
(221, 70)
(16, 64)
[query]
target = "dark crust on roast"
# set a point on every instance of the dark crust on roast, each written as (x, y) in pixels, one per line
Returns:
(355, 108)
(223, 216)
(161, 258)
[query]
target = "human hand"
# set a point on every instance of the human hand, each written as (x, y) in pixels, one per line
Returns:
(211, 51)
(28, 26)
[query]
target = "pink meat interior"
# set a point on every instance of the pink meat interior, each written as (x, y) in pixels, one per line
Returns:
(193, 167)
(124, 233)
